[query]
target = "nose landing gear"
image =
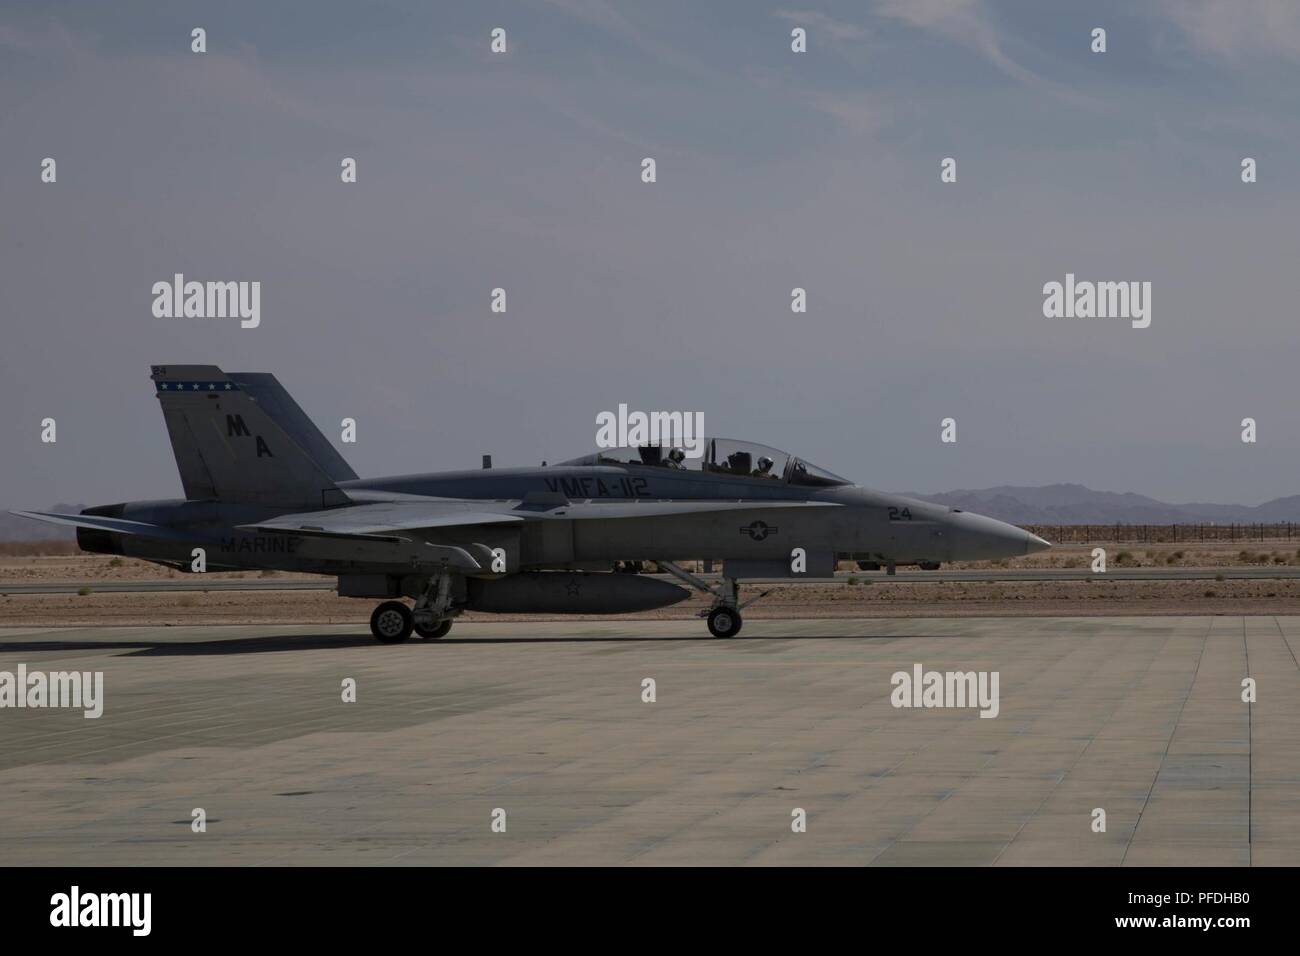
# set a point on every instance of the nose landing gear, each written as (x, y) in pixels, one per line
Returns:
(724, 622)
(724, 616)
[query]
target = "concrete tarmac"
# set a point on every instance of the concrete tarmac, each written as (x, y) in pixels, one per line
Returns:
(1139, 717)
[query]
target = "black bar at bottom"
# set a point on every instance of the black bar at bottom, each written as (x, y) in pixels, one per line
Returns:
(484, 907)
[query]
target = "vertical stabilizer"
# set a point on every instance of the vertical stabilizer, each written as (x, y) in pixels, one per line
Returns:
(229, 448)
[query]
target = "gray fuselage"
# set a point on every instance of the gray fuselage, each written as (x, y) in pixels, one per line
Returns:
(852, 521)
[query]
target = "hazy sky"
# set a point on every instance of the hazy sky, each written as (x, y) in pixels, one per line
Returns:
(775, 170)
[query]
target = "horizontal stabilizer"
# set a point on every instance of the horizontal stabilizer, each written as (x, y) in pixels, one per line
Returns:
(116, 525)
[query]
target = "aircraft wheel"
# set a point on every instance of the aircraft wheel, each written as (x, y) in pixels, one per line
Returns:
(391, 622)
(724, 622)
(433, 633)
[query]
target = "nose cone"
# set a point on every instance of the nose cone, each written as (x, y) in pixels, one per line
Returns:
(976, 538)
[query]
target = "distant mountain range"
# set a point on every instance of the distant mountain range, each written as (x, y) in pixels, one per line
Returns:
(1049, 504)
(1075, 504)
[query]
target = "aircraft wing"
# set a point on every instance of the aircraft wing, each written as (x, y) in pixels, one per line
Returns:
(645, 508)
(380, 520)
(372, 520)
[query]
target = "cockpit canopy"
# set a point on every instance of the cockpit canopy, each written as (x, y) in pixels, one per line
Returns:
(724, 456)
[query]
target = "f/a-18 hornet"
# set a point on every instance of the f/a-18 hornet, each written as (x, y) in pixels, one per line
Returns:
(264, 489)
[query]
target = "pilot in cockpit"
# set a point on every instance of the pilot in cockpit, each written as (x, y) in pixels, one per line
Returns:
(676, 458)
(764, 469)
(738, 463)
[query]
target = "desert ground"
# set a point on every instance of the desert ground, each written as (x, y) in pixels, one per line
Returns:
(852, 594)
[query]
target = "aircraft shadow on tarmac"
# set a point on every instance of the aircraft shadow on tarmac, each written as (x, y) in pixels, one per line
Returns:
(233, 645)
(319, 642)
(694, 639)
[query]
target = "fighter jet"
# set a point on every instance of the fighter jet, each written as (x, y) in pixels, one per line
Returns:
(264, 489)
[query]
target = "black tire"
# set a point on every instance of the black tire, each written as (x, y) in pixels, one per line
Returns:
(391, 622)
(433, 633)
(724, 622)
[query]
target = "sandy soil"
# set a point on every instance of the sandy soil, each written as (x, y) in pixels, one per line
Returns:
(62, 562)
(1047, 598)
(88, 568)
(871, 596)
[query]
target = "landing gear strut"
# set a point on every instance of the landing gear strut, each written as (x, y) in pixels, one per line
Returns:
(433, 613)
(392, 622)
(724, 615)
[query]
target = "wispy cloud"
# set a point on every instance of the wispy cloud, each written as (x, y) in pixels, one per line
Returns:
(963, 21)
(857, 113)
(604, 16)
(1236, 29)
(52, 38)
(969, 24)
(836, 30)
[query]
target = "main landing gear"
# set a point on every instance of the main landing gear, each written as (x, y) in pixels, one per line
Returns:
(392, 622)
(724, 615)
(433, 633)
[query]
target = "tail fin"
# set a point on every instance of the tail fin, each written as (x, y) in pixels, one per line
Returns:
(241, 438)
(266, 390)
